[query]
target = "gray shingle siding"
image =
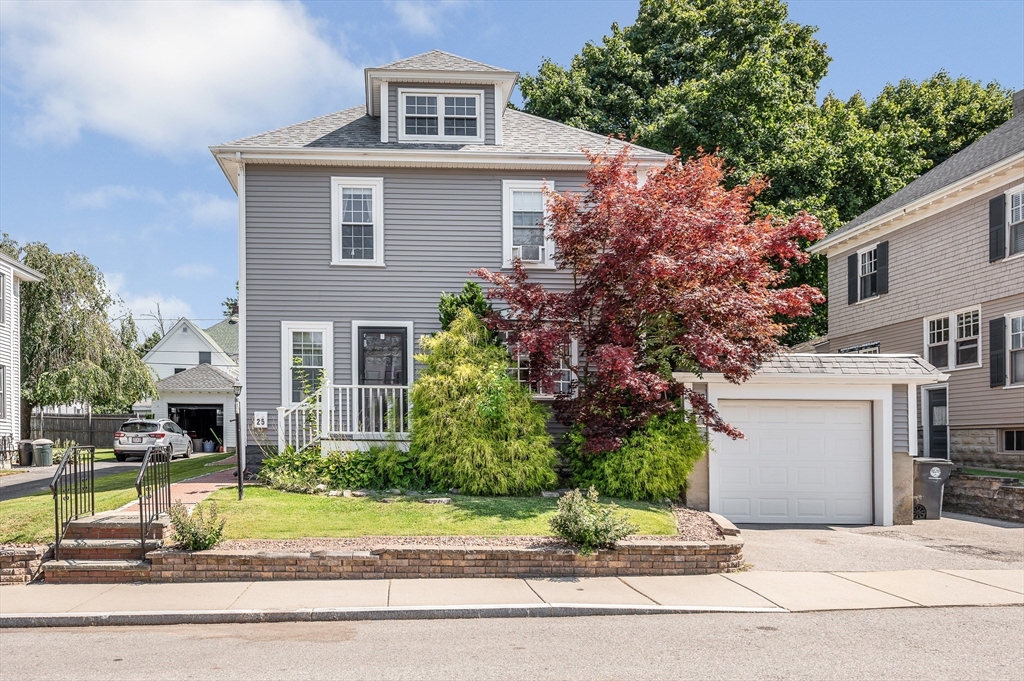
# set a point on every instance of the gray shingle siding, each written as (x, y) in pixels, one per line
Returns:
(438, 225)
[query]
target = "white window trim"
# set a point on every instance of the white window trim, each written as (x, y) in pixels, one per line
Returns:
(441, 138)
(376, 184)
(573, 361)
(409, 345)
(951, 343)
(1006, 345)
(507, 187)
(327, 329)
(1008, 216)
(877, 295)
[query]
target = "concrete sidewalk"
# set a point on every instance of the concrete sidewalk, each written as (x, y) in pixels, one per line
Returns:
(42, 605)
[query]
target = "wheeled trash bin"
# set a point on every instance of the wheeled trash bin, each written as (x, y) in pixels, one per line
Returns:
(930, 477)
(42, 452)
(25, 453)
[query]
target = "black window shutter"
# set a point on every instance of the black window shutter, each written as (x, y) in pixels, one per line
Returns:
(851, 279)
(997, 228)
(882, 266)
(997, 352)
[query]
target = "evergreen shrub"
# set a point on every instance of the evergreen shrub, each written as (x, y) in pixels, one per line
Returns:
(653, 462)
(473, 426)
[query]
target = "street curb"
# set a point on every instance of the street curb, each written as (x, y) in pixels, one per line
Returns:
(428, 612)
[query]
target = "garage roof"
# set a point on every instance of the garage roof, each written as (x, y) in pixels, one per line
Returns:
(202, 377)
(838, 367)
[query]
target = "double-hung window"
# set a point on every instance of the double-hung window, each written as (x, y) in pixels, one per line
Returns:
(520, 371)
(953, 340)
(357, 221)
(438, 116)
(1016, 349)
(305, 358)
(1015, 222)
(868, 278)
(525, 234)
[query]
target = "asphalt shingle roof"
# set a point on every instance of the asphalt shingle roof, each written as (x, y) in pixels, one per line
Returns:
(225, 334)
(1003, 142)
(436, 60)
(201, 377)
(849, 365)
(353, 129)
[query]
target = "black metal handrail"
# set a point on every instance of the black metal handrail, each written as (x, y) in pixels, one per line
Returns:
(74, 491)
(154, 489)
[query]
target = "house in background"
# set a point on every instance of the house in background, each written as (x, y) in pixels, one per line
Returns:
(196, 370)
(12, 274)
(937, 270)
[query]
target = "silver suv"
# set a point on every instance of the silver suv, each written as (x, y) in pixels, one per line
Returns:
(137, 435)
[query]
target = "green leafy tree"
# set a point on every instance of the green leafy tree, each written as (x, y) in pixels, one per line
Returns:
(740, 77)
(471, 297)
(230, 304)
(149, 343)
(71, 349)
(473, 427)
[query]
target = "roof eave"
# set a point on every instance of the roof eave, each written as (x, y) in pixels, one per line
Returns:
(21, 270)
(837, 239)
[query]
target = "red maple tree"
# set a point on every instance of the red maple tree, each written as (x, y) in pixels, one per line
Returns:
(674, 273)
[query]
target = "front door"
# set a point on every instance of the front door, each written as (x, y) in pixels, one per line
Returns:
(938, 419)
(383, 357)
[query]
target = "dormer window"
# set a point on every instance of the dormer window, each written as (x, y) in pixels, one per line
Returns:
(438, 116)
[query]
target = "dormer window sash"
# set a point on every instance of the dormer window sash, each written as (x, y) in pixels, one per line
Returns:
(440, 116)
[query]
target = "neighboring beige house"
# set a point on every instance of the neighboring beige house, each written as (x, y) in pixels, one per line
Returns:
(12, 274)
(937, 270)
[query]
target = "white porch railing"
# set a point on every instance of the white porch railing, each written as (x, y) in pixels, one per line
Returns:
(346, 412)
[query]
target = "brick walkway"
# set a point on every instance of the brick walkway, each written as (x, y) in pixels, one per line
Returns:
(191, 492)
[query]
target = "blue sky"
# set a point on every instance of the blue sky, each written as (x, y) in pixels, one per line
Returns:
(107, 110)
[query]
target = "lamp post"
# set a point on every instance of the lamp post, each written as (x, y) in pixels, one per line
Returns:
(238, 437)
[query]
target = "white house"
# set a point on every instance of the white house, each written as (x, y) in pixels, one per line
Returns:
(195, 378)
(12, 274)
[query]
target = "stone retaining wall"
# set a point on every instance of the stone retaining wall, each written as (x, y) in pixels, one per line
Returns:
(21, 564)
(979, 448)
(985, 496)
(628, 558)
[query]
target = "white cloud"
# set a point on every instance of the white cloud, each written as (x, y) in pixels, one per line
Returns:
(102, 197)
(172, 77)
(147, 308)
(208, 208)
(194, 271)
(422, 18)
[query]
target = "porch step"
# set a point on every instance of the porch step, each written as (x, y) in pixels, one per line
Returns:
(74, 571)
(115, 526)
(105, 549)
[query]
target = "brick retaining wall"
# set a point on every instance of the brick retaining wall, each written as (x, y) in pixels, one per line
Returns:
(628, 558)
(21, 564)
(985, 496)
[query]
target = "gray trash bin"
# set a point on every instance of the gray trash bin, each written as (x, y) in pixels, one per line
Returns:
(42, 452)
(930, 477)
(25, 453)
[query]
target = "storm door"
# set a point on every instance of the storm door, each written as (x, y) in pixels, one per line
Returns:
(383, 356)
(938, 421)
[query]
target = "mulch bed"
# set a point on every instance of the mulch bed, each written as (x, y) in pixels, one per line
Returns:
(692, 525)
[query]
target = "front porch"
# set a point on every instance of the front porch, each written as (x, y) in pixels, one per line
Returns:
(347, 417)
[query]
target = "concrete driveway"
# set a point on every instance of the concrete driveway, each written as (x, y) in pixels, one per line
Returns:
(956, 542)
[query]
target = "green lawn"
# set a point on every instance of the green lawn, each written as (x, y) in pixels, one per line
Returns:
(271, 514)
(1001, 474)
(30, 519)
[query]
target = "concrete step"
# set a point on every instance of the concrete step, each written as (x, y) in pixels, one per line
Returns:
(115, 526)
(75, 571)
(105, 549)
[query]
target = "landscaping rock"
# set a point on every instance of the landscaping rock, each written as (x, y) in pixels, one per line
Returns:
(321, 488)
(550, 494)
(387, 500)
(393, 491)
(438, 500)
(346, 493)
(454, 490)
(361, 493)
(412, 493)
(334, 493)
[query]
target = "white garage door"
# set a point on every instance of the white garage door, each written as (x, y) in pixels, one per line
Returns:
(801, 462)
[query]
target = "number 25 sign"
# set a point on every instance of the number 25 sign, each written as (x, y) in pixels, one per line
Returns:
(259, 419)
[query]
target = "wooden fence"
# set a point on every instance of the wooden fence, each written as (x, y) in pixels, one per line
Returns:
(88, 429)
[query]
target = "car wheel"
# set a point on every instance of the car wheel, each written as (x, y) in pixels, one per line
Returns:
(120, 457)
(188, 451)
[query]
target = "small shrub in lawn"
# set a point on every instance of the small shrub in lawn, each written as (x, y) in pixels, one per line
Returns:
(197, 531)
(582, 521)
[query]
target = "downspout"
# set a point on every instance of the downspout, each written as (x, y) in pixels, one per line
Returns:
(243, 311)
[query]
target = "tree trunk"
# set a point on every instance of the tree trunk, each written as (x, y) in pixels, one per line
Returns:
(26, 419)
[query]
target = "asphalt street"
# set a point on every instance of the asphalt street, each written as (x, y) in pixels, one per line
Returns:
(932, 644)
(35, 480)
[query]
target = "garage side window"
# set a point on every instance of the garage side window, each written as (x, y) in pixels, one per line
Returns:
(357, 221)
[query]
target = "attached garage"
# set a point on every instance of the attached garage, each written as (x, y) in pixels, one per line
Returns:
(801, 462)
(828, 439)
